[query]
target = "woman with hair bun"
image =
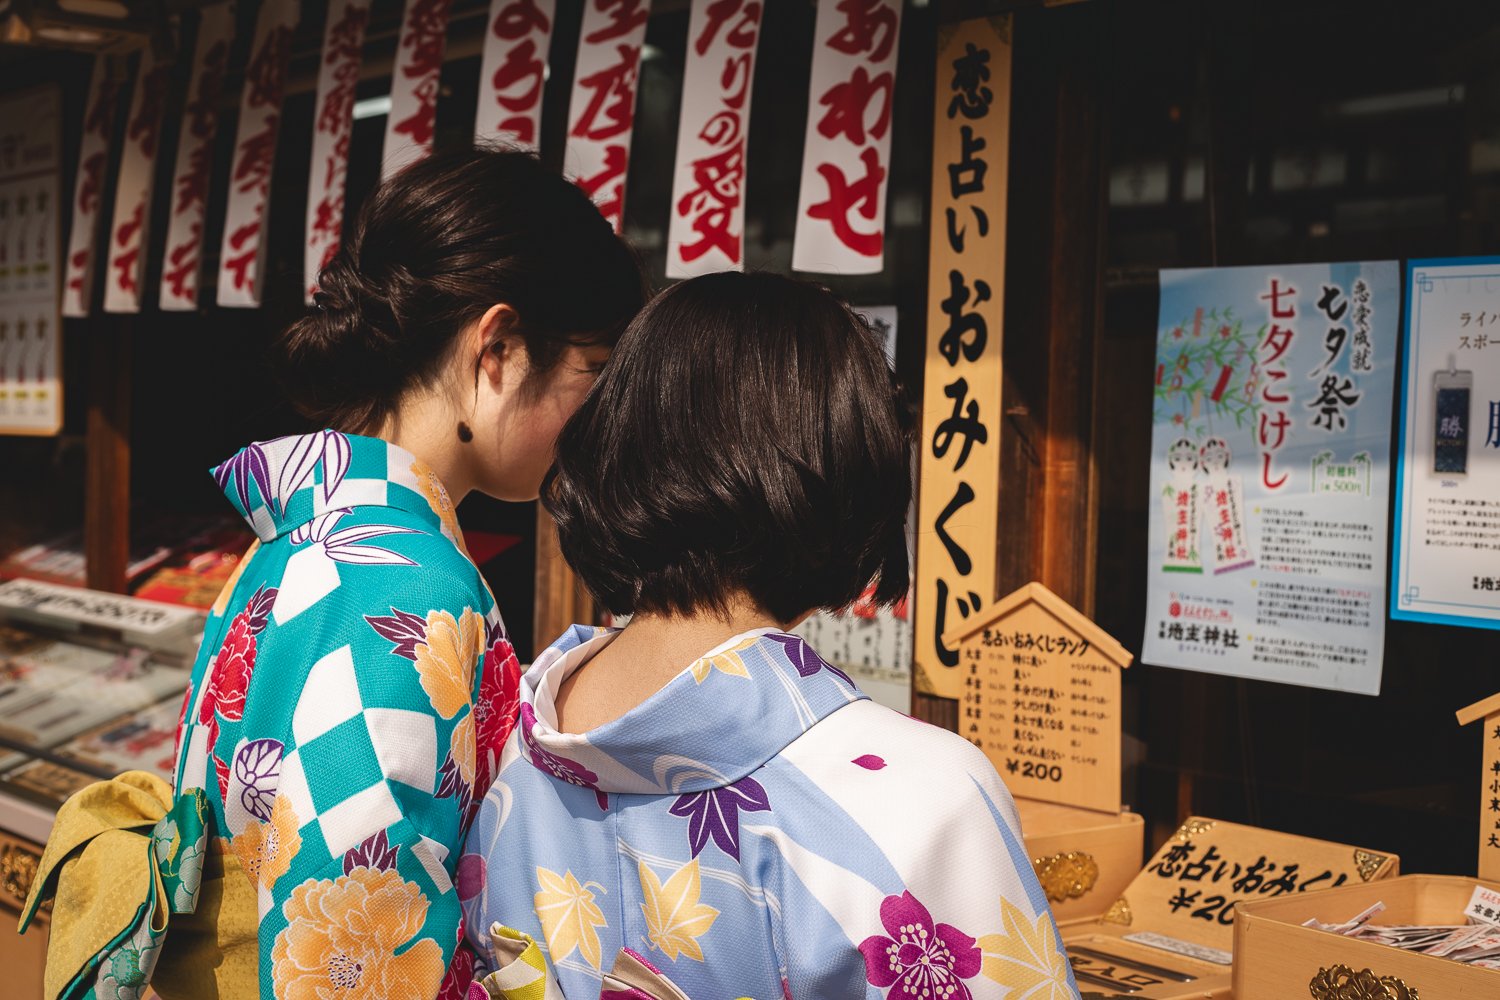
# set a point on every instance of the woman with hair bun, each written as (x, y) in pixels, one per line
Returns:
(355, 684)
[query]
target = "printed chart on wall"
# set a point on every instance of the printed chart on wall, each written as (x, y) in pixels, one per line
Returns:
(1447, 559)
(30, 336)
(1270, 473)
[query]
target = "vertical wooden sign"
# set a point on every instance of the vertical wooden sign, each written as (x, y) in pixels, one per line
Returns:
(1041, 698)
(1487, 712)
(959, 486)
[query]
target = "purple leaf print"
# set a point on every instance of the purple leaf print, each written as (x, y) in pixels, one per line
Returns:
(804, 658)
(258, 610)
(246, 467)
(560, 768)
(451, 784)
(869, 762)
(297, 468)
(472, 875)
(716, 813)
(403, 628)
(925, 959)
(374, 852)
(337, 453)
(257, 769)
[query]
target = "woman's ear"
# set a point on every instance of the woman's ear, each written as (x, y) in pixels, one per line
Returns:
(499, 346)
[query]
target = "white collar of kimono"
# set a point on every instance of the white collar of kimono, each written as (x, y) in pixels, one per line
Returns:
(722, 717)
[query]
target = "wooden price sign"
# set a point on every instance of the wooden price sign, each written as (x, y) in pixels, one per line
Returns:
(1184, 899)
(1488, 711)
(1041, 697)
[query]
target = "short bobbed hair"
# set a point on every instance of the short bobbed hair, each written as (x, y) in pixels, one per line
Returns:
(746, 436)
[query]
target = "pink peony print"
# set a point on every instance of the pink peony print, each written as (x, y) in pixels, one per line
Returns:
(927, 960)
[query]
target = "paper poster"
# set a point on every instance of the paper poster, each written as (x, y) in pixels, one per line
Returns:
(707, 229)
(870, 644)
(30, 326)
(414, 84)
(133, 189)
(1270, 471)
(241, 275)
(846, 154)
(959, 490)
(513, 72)
(333, 123)
(88, 185)
(601, 111)
(1447, 557)
(182, 260)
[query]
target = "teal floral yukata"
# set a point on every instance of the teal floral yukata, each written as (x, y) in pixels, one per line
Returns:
(354, 688)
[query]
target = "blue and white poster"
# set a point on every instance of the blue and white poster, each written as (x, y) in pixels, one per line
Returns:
(1446, 567)
(1270, 472)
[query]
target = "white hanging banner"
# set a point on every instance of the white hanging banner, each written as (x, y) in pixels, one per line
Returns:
(513, 72)
(707, 228)
(333, 123)
(93, 160)
(846, 156)
(414, 84)
(601, 111)
(127, 235)
(243, 249)
(183, 257)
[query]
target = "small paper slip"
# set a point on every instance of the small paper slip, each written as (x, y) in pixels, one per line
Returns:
(1201, 952)
(1484, 905)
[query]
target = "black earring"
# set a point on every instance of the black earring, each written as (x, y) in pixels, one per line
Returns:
(464, 433)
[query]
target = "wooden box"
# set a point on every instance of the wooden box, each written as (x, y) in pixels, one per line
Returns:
(1277, 959)
(1185, 898)
(1083, 858)
(22, 956)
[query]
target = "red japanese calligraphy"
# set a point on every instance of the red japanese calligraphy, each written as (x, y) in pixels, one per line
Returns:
(611, 107)
(720, 13)
(345, 39)
(90, 182)
(861, 195)
(519, 19)
(145, 128)
(425, 34)
(126, 237)
(180, 273)
(266, 74)
(624, 17)
(245, 239)
(192, 185)
(252, 172)
(869, 28)
(718, 184)
(102, 113)
(848, 107)
(525, 69)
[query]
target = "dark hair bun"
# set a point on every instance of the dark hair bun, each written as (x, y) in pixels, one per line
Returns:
(432, 250)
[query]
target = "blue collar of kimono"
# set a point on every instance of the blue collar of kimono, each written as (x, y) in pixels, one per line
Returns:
(284, 485)
(730, 711)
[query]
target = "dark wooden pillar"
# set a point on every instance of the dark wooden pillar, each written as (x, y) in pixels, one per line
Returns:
(107, 484)
(560, 599)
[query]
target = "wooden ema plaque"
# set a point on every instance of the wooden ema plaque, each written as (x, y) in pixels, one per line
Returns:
(1041, 698)
(1488, 710)
(1177, 916)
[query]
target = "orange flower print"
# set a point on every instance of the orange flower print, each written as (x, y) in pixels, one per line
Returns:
(439, 501)
(342, 936)
(266, 850)
(447, 660)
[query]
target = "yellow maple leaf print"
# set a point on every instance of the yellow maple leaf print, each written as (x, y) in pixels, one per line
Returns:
(570, 917)
(726, 662)
(1027, 958)
(446, 661)
(675, 920)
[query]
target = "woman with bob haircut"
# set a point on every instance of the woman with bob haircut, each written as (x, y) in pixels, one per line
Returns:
(699, 795)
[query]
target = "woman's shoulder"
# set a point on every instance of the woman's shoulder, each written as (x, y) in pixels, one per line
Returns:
(931, 770)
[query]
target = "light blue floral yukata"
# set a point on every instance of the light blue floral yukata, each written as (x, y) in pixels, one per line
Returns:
(758, 828)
